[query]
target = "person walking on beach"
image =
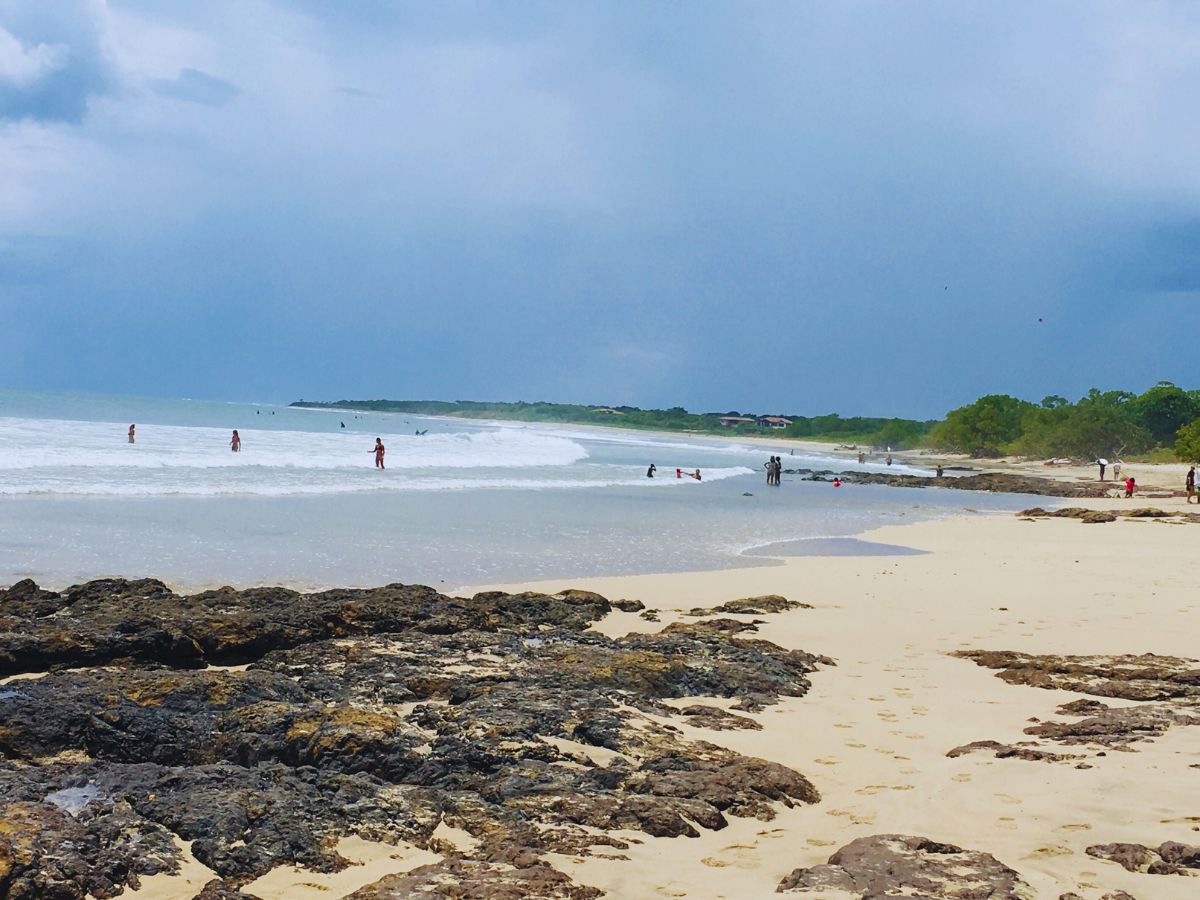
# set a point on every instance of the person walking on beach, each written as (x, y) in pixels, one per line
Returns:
(1116, 470)
(379, 451)
(235, 442)
(1103, 464)
(132, 433)
(1130, 487)
(1190, 484)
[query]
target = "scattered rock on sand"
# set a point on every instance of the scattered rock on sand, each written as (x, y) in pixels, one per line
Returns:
(895, 865)
(1170, 858)
(1167, 689)
(758, 606)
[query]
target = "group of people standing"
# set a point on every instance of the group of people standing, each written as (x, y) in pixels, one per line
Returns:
(774, 467)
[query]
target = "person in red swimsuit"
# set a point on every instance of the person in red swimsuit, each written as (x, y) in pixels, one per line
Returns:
(235, 442)
(1130, 486)
(379, 451)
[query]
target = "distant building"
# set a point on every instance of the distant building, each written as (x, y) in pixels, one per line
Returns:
(609, 410)
(773, 421)
(730, 421)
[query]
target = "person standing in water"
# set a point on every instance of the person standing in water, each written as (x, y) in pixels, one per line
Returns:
(235, 442)
(379, 451)
(650, 471)
(769, 465)
(132, 431)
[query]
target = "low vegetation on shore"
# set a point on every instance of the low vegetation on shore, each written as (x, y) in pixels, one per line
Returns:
(1162, 421)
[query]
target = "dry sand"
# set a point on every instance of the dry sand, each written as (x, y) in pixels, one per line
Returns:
(873, 732)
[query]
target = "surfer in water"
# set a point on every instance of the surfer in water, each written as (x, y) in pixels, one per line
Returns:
(235, 442)
(650, 471)
(379, 451)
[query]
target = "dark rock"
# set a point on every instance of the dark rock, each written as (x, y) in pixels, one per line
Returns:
(1170, 858)
(758, 606)
(372, 713)
(717, 719)
(1009, 751)
(996, 482)
(629, 606)
(469, 879)
(1167, 687)
(894, 865)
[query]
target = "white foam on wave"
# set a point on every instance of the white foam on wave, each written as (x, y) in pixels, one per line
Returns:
(58, 444)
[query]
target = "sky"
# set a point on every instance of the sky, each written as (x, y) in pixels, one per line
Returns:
(870, 208)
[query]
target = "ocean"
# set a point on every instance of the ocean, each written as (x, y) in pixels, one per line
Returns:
(467, 502)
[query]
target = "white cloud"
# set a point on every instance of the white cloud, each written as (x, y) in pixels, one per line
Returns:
(22, 65)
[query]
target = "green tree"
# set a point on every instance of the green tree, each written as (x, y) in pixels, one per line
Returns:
(1187, 443)
(983, 428)
(1163, 410)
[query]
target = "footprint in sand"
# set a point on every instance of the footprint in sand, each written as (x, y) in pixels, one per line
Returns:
(1007, 798)
(1075, 826)
(887, 716)
(843, 725)
(817, 842)
(920, 710)
(855, 744)
(1007, 822)
(825, 761)
(908, 770)
(1046, 852)
(961, 777)
(877, 699)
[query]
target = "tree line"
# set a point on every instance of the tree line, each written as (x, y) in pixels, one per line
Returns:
(1099, 424)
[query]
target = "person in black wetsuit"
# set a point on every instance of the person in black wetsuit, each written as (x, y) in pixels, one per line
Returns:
(650, 471)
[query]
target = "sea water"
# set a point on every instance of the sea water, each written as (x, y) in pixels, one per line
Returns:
(464, 502)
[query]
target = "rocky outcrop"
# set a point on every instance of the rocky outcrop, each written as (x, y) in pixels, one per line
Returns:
(758, 606)
(468, 878)
(897, 865)
(995, 482)
(1097, 516)
(1166, 690)
(1170, 858)
(372, 713)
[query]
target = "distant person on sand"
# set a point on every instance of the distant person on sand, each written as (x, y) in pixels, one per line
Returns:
(1103, 464)
(1190, 484)
(379, 451)
(235, 442)
(940, 471)
(1116, 470)
(650, 471)
(132, 431)
(862, 457)
(1130, 486)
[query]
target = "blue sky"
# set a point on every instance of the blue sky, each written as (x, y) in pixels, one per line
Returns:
(874, 208)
